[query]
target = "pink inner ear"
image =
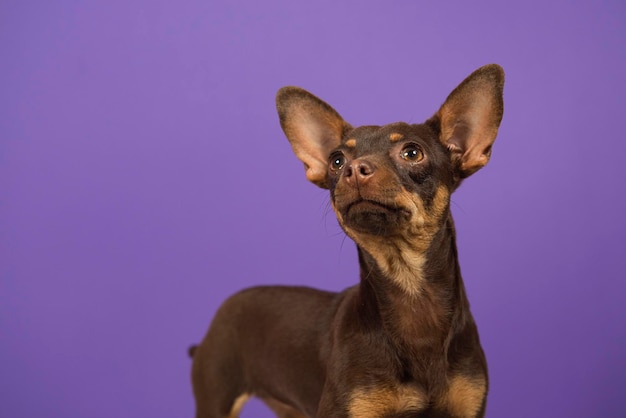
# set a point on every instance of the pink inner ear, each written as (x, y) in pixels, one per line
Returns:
(313, 128)
(471, 145)
(469, 121)
(312, 141)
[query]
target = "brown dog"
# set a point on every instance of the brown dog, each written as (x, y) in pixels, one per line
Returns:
(401, 343)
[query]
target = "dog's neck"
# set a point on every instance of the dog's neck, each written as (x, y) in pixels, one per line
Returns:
(423, 323)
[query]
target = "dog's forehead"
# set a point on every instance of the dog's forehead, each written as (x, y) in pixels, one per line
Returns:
(371, 138)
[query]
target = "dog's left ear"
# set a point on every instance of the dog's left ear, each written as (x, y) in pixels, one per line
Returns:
(470, 117)
(312, 127)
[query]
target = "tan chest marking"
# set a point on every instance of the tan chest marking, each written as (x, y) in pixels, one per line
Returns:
(464, 396)
(376, 402)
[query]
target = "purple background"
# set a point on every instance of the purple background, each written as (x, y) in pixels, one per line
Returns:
(144, 177)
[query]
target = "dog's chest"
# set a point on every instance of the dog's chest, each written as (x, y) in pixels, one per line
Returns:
(462, 398)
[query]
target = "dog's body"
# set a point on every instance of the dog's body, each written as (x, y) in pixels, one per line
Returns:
(403, 342)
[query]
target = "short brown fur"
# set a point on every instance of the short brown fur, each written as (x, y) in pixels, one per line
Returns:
(402, 343)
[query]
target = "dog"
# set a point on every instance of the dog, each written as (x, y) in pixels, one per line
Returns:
(402, 342)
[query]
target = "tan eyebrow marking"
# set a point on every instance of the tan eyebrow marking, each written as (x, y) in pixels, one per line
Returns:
(350, 143)
(395, 137)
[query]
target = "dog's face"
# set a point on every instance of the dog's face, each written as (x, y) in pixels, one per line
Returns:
(392, 180)
(391, 184)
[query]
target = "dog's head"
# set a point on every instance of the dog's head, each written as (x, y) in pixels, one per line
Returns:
(395, 180)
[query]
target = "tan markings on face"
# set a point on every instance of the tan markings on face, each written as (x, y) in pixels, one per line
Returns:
(402, 257)
(464, 396)
(440, 202)
(428, 220)
(237, 405)
(350, 143)
(395, 137)
(376, 402)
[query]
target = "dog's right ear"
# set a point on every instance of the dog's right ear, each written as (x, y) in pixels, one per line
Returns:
(470, 118)
(312, 127)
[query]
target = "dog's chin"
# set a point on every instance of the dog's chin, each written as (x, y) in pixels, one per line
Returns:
(375, 219)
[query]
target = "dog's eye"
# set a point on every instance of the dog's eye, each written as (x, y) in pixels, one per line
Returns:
(337, 161)
(413, 153)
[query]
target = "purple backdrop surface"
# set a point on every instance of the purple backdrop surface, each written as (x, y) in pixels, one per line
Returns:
(144, 177)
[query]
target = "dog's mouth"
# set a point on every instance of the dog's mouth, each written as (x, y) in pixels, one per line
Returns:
(374, 217)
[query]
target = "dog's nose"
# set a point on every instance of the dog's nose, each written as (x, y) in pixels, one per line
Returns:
(359, 170)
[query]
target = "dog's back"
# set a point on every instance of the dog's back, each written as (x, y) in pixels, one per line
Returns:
(247, 327)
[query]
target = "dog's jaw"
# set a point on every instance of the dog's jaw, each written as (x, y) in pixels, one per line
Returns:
(375, 218)
(396, 235)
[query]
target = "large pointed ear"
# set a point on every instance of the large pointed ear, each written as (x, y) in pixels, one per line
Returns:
(470, 118)
(312, 127)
